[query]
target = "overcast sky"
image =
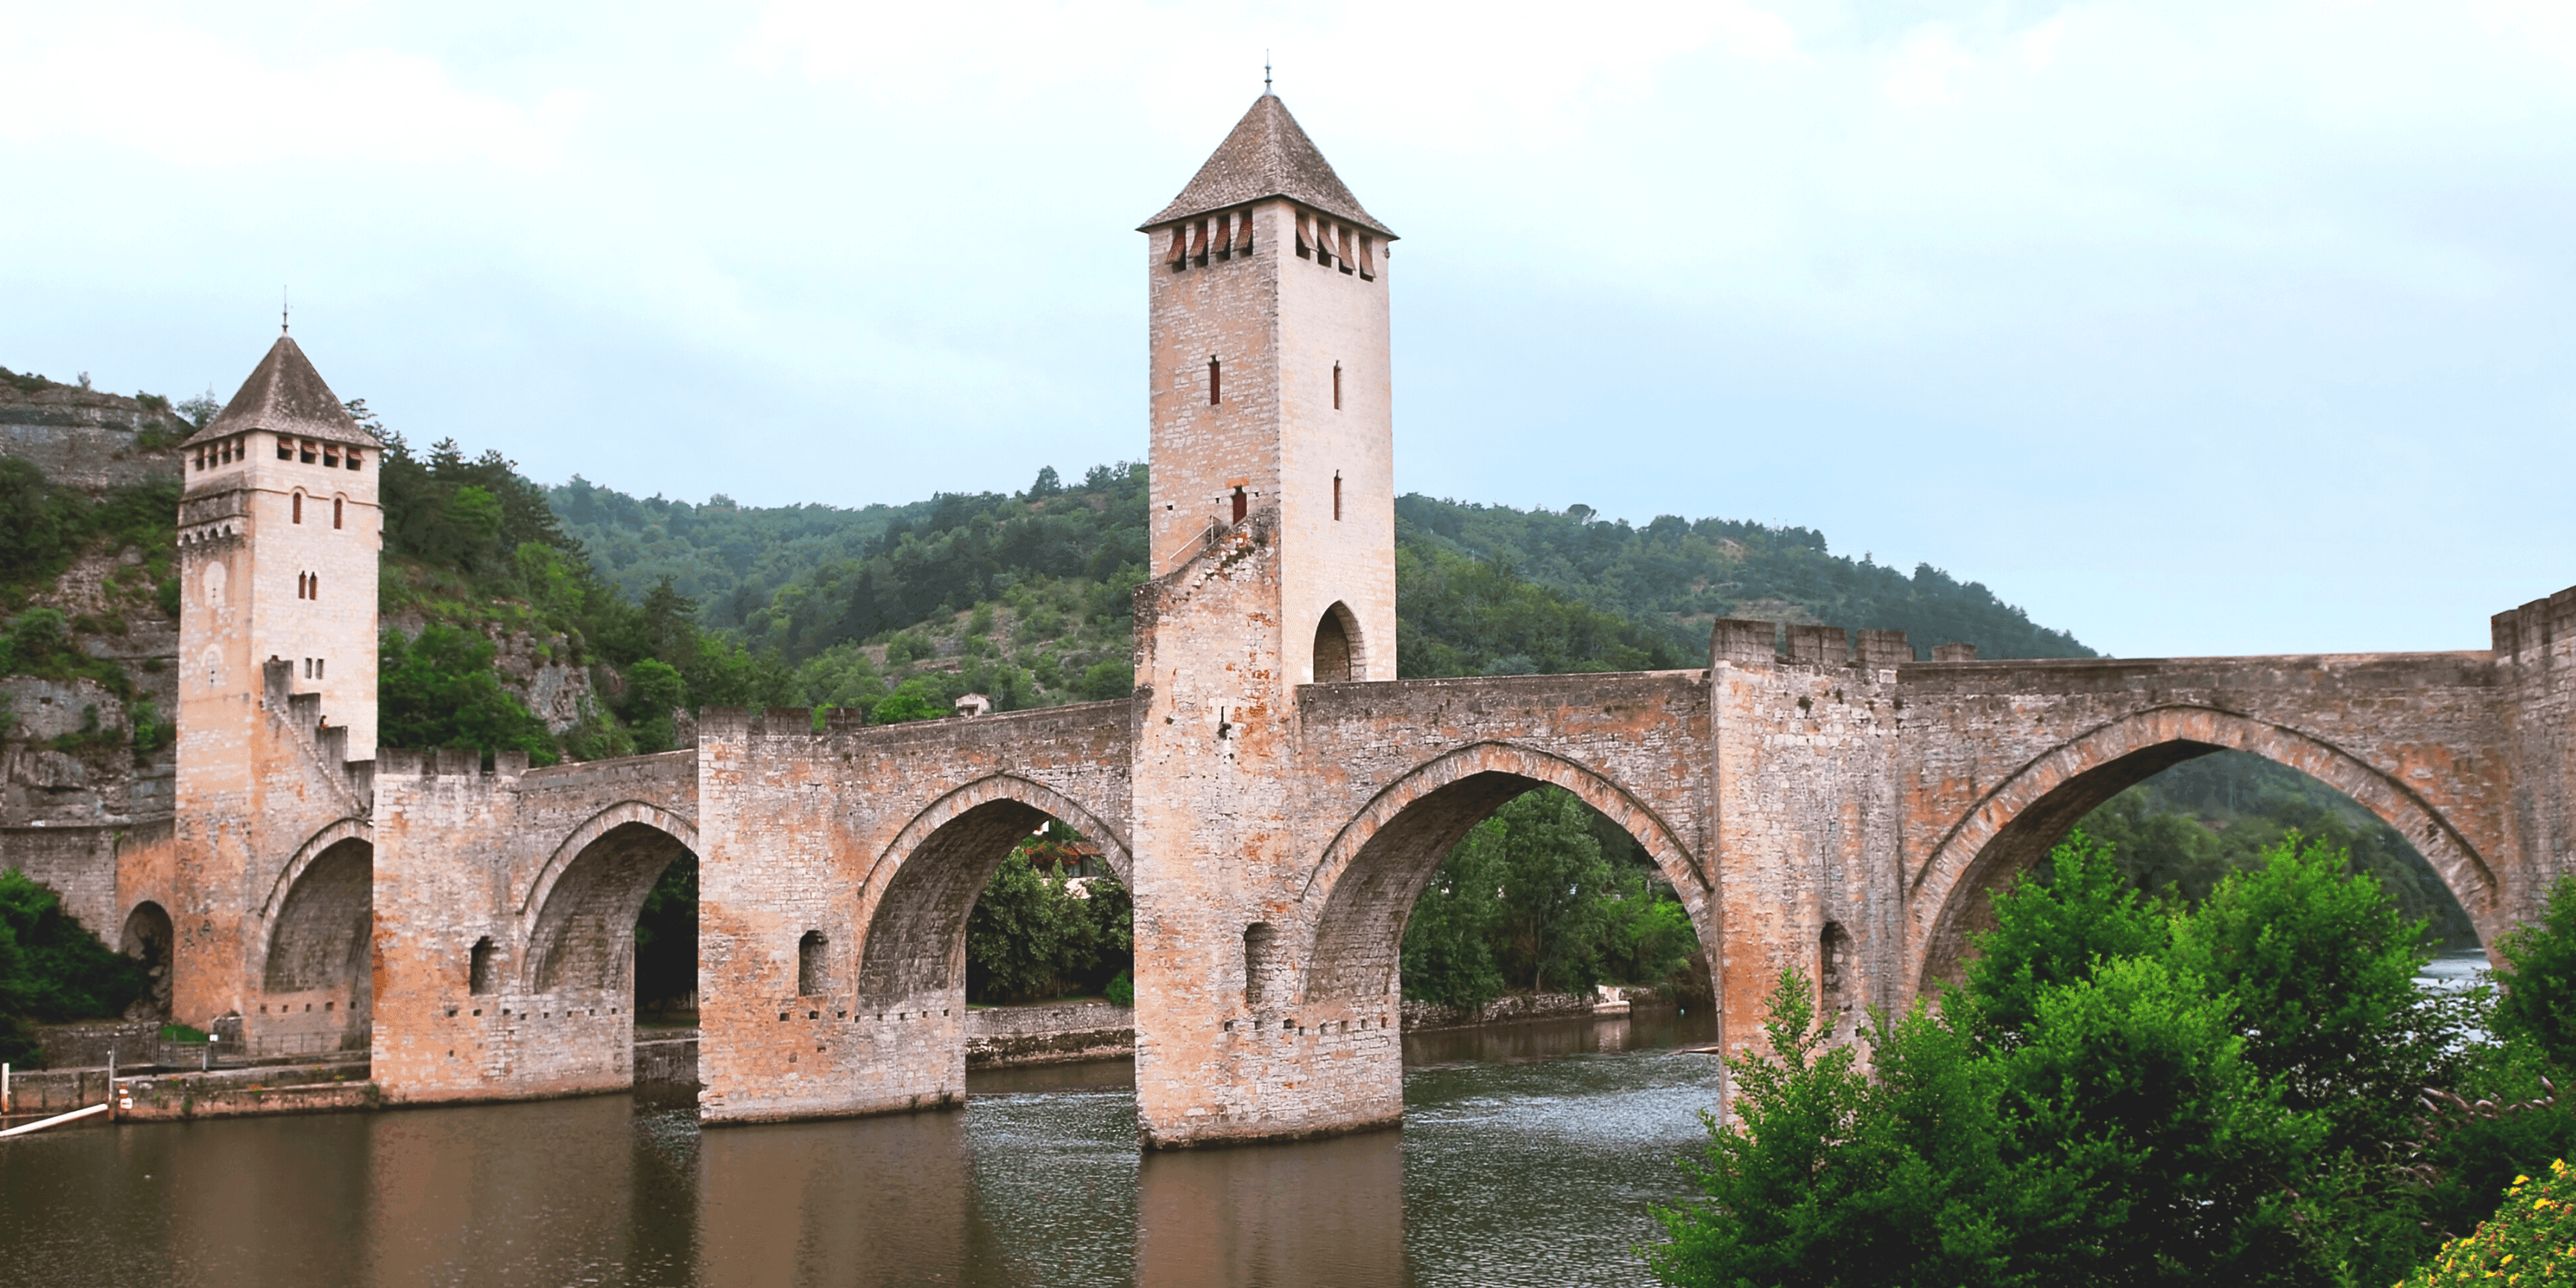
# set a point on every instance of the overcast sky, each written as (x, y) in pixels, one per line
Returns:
(2242, 326)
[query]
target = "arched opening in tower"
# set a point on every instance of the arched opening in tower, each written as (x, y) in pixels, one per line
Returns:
(1333, 647)
(147, 938)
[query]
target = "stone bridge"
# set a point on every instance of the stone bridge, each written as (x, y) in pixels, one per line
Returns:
(1275, 798)
(1839, 809)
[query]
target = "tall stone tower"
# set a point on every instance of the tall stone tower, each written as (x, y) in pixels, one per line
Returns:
(1274, 568)
(279, 532)
(1271, 390)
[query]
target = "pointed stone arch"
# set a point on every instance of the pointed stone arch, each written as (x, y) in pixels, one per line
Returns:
(2015, 823)
(312, 928)
(917, 894)
(345, 829)
(586, 898)
(1340, 650)
(1353, 907)
(1000, 787)
(322, 934)
(597, 825)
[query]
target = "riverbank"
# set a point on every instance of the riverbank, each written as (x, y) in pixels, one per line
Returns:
(666, 1059)
(157, 1095)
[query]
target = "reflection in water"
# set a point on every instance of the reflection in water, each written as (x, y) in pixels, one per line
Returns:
(1325, 1212)
(1530, 1155)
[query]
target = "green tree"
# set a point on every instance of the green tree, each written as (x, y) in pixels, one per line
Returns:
(52, 968)
(2177, 1153)
(2050, 932)
(2537, 1005)
(1549, 866)
(913, 700)
(2322, 965)
(1830, 1176)
(654, 694)
(439, 690)
(1448, 954)
(1037, 934)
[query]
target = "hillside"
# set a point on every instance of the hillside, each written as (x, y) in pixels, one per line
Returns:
(1024, 595)
(89, 494)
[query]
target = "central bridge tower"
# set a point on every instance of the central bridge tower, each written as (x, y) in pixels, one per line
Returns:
(1273, 568)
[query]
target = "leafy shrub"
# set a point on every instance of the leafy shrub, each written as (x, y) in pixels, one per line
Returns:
(2209, 1094)
(52, 968)
(2531, 1240)
(2538, 980)
(152, 733)
(440, 690)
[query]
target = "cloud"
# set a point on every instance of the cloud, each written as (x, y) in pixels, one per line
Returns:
(144, 78)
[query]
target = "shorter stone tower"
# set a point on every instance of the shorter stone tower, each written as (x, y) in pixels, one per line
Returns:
(282, 531)
(279, 534)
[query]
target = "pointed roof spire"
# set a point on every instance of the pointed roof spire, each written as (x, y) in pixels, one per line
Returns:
(1267, 155)
(285, 395)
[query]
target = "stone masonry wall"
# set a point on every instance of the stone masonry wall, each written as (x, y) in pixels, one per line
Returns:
(876, 839)
(2535, 659)
(546, 869)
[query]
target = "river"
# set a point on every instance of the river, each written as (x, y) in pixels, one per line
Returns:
(1530, 1155)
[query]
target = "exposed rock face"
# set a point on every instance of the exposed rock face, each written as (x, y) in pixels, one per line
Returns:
(551, 687)
(86, 439)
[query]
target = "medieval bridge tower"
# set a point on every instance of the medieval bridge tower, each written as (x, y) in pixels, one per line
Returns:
(267, 879)
(1273, 795)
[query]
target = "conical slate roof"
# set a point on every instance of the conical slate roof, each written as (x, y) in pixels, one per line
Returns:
(285, 395)
(1267, 156)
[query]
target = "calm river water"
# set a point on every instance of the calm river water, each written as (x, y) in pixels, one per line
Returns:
(1529, 1155)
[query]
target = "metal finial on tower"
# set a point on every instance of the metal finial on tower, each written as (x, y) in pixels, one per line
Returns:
(281, 310)
(1265, 72)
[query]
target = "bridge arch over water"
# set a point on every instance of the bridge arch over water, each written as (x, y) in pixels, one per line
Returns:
(1363, 889)
(2012, 828)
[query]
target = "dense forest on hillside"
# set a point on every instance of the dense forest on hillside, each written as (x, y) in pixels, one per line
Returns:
(1033, 585)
